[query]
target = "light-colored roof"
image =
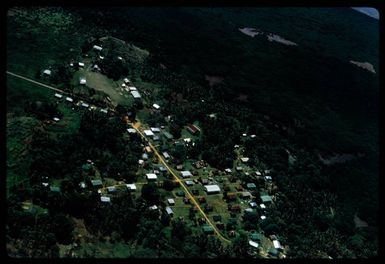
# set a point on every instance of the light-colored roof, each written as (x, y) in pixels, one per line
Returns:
(56, 119)
(189, 183)
(156, 106)
(262, 206)
(140, 161)
(263, 217)
(126, 80)
(151, 176)
(132, 88)
(48, 72)
(186, 174)
(81, 64)
(266, 198)
(212, 188)
(97, 47)
(69, 99)
(104, 110)
(135, 94)
(148, 133)
(131, 130)
(276, 244)
(82, 80)
(253, 244)
(131, 186)
(187, 140)
(155, 129)
(111, 188)
(85, 105)
(153, 207)
(244, 159)
(171, 201)
(58, 95)
(258, 173)
(105, 199)
(169, 210)
(166, 155)
(228, 170)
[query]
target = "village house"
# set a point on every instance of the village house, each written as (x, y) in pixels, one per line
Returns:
(168, 136)
(193, 129)
(131, 187)
(212, 189)
(171, 201)
(148, 133)
(186, 174)
(47, 72)
(58, 95)
(96, 183)
(156, 106)
(136, 94)
(169, 211)
(105, 199)
(96, 47)
(151, 176)
(82, 80)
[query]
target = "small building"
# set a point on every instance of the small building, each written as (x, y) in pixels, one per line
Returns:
(82, 80)
(69, 99)
(54, 189)
(56, 119)
(277, 244)
(231, 196)
(258, 173)
(155, 129)
(104, 111)
(238, 168)
(273, 252)
(171, 201)
(263, 217)
(236, 208)
(251, 186)
(85, 105)
(96, 47)
(189, 183)
(136, 94)
(148, 149)
(187, 140)
(81, 64)
(205, 181)
(179, 167)
(211, 189)
(145, 156)
(228, 170)
(166, 155)
(162, 169)
(253, 244)
(256, 237)
(180, 193)
(57, 95)
(186, 174)
(148, 133)
(153, 207)
(126, 81)
(47, 72)
(169, 211)
(262, 206)
(193, 129)
(245, 159)
(268, 179)
(105, 199)
(96, 183)
(156, 138)
(131, 130)
(111, 189)
(132, 88)
(131, 187)
(168, 136)
(253, 204)
(151, 176)
(266, 198)
(82, 185)
(156, 106)
(246, 195)
(208, 229)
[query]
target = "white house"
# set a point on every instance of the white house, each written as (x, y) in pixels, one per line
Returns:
(171, 201)
(186, 174)
(212, 188)
(148, 133)
(151, 176)
(104, 111)
(131, 187)
(135, 94)
(47, 72)
(166, 155)
(126, 80)
(81, 64)
(132, 88)
(58, 95)
(244, 159)
(85, 105)
(82, 80)
(169, 210)
(69, 99)
(131, 130)
(276, 244)
(56, 119)
(105, 199)
(155, 129)
(98, 48)
(253, 244)
(156, 106)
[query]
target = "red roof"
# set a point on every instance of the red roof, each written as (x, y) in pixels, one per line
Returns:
(192, 128)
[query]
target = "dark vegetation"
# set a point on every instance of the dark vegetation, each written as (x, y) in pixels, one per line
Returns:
(306, 99)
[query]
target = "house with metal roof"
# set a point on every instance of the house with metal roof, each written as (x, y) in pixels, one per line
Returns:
(131, 187)
(151, 176)
(211, 189)
(186, 174)
(169, 211)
